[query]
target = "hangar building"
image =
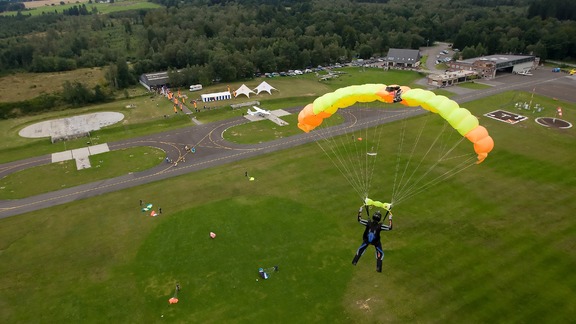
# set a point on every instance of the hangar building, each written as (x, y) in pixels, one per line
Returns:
(489, 66)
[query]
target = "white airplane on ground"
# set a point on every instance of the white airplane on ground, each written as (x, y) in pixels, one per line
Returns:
(525, 73)
(259, 112)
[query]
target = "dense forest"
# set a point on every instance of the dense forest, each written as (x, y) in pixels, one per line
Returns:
(231, 40)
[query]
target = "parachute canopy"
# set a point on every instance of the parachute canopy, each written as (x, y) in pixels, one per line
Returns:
(459, 118)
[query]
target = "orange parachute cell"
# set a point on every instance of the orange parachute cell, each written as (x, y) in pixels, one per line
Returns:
(483, 143)
(307, 120)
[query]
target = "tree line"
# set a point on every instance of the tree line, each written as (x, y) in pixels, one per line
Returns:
(231, 39)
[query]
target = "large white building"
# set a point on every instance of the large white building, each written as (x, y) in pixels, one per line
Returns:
(488, 66)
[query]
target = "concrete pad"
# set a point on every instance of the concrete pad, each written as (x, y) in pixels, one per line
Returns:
(253, 117)
(80, 153)
(70, 126)
(277, 120)
(280, 112)
(97, 149)
(61, 156)
(83, 163)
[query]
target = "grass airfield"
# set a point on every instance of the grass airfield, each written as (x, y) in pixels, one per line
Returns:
(494, 244)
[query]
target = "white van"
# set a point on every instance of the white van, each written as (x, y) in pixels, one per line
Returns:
(195, 87)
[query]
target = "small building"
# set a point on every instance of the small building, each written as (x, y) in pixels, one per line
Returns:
(451, 78)
(216, 96)
(154, 80)
(488, 66)
(402, 58)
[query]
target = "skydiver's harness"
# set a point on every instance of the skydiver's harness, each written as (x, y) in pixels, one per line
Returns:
(368, 212)
(397, 92)
(372, 227)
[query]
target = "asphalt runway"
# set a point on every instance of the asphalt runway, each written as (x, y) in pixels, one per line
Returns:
(212, 150)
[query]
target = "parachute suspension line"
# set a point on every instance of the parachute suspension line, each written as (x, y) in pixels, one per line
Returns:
(362, 164)
(352, 159)
(403, 183)
(336, 147)
(396, 184)
(417, 167)
(363, 156)
(417, 188)
(409, 187)
(341, 167)
(465, 165)
(371, 155)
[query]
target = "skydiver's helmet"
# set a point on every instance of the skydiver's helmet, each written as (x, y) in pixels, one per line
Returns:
(377, 217)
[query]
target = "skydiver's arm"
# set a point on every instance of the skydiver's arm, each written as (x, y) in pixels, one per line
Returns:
(360, 220)
(389, 226)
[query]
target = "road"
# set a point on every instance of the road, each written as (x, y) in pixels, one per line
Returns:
(213, 150)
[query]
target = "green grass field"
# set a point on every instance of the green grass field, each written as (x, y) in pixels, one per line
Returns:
(42, 179)
(153, 114)
(102, 8)
(25, 86)
(148, 115)
(495, 243)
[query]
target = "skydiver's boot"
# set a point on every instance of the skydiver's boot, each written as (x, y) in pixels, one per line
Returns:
(355, 260)
(379, 265)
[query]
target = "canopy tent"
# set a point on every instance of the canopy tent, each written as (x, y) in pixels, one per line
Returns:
(243, 90)
(264, 86)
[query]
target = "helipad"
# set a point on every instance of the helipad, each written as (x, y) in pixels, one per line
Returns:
(75, 126)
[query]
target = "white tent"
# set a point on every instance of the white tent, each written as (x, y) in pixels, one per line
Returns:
(243, 90)
(216, 96)
(264, 86)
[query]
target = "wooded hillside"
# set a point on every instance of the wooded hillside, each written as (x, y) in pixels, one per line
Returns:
(230, 40)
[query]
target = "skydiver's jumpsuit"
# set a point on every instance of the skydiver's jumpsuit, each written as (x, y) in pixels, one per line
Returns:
(376, 241)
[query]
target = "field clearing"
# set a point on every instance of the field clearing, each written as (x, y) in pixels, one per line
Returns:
(459, 252)
(43, 3)
(48, 6)
(38, 6)
(95, 254)
(24, 86)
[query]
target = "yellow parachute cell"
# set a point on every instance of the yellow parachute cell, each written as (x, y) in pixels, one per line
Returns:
(459, 118)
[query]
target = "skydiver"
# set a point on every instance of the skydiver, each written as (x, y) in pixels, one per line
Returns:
(397, 92)
(372, 236)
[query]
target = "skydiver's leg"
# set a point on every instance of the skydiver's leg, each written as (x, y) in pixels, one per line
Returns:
(397, 97)
(379, 256)
(359, 252)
